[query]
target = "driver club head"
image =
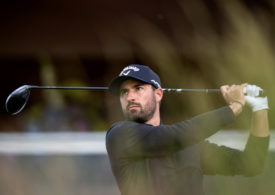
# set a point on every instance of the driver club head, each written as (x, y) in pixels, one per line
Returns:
(18, 99)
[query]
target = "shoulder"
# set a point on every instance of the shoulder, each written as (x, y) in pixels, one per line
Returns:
(128, 125)
(121, 128)
(120, 125)
(127, 129)
(123, 133)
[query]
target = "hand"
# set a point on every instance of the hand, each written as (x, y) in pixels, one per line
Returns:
(252, 90)
(252, 99)
(234, 96)
(234, 93)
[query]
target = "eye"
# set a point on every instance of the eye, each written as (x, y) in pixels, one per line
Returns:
(139, 88)
(123, 92)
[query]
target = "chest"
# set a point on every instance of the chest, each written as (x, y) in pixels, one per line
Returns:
(188, 158)
(180, 170)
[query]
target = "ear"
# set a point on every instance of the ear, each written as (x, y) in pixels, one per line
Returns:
(159, 94)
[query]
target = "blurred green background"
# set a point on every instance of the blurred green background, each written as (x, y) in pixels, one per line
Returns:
(190, 44)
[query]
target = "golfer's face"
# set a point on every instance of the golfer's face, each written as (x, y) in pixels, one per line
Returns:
(137, 100)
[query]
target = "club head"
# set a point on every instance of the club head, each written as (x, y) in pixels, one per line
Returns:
(18, 99)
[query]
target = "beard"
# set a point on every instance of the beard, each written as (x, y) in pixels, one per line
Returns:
(144, 113)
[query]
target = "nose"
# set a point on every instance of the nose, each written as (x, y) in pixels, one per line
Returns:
(131, 95)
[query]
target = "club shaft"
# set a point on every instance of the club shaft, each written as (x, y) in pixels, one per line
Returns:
(173, 90)
(192, 90)
(67, 88)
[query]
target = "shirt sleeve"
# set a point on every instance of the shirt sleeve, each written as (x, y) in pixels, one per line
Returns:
(136, 140)
(227, 161)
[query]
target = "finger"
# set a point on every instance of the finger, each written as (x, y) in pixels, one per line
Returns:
(243, 88)
(249, 90)
(245, 84)
(253, 90)
(224, 89)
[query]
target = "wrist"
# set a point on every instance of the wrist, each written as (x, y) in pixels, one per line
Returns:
(257, 103)
(236, 107)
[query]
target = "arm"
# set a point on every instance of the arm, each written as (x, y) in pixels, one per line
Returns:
(250, 161)
(136, 140)
(260, 127)
(259, 107)
(228, 161)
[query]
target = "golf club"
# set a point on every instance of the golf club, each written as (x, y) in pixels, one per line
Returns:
(18, 99)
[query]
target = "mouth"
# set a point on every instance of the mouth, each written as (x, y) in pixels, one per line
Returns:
(133, 106)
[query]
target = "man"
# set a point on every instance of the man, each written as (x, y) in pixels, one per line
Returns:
(150, 158)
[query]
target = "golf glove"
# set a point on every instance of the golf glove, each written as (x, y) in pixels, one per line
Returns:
(252, 90)
(253, 100)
